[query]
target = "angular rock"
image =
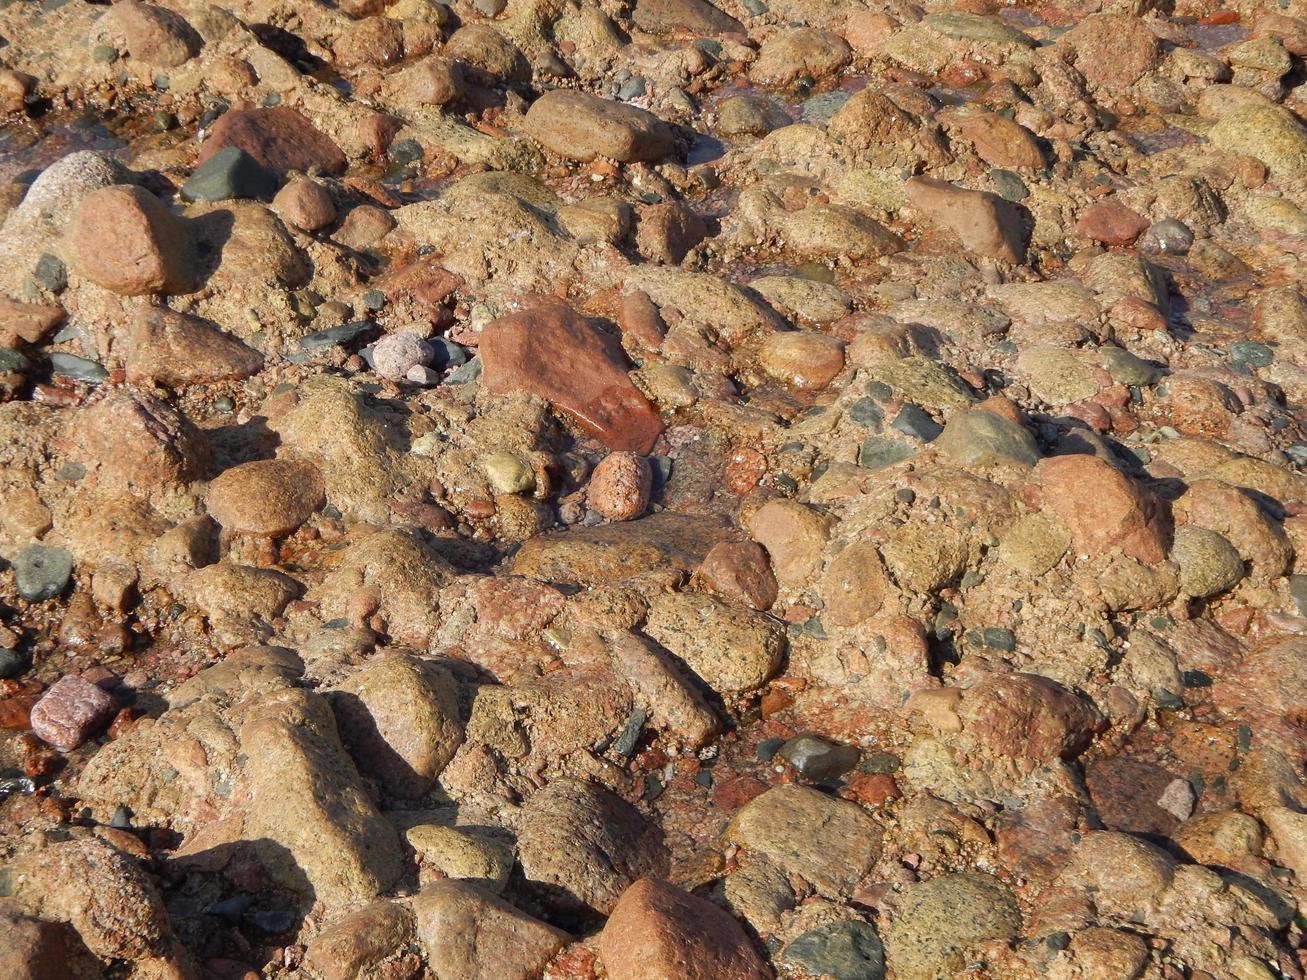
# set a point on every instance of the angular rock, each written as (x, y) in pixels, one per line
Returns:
(739, 571)
(154, 35)
(469, 934)
(1104, 509)
(983, 223)
(555, 353)
(279, 139)
(793, 535)
(934, 921)
(175, 350)
(126, 240)
(70, 712)
(731, 649)
(228, 174)
(356, 944)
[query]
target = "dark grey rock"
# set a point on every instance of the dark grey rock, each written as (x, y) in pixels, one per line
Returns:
(229, 174)
(78, 368)
(914, 421)
(878, 452)
(842, 950)
(817, 758)
(42, 572)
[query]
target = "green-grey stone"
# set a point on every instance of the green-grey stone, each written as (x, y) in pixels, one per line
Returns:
(1251, 353)
(877, 452)
(78, 368)
(975, 27)
(51, 272)
(342, 334)
(818, 759)
(1009, 186)
(978, 437)
(843, 950)
(42, 572)
(230, 174)
(104, 54)
(13, 362)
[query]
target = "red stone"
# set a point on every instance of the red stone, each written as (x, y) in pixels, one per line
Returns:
(1103, 509)
(1111, 223)
(70, 712)
(555, 353)
(279, 138)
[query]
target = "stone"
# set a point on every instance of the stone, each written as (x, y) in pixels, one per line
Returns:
(1028, 717)
(1000, 142)
(1104, 509)
(175, 350)
(794, 536)
(828, 842)
(1226, 838)
(983, 223)
(1112, 50)
(934, 921)
(978, 437)
(553, 352)
(70, 712)
(36, 949)
(455, 853)
(731, 649)
(508, 473)
(434, 80)
(42, 572)
(817, 759)
(1268, 133)
(854, 585)
(279, 138)
(695, 16)
(364, 227)
(805, 360)
(230, 173)
(1208, 562)
(665, 233)
(581, 127)
(656, 929)
(799, 52)
(621, 486)
(136, 440)
(266, 497)
(749, 115)
(582, 845)
(739, 571)
(399, 718)
(469, 934)
(1111, 223)
(354, 945)
(125, 239)
(1125, 872)
(395, 354)
(847, 950)
(304, 203)
(659, 685)
(27, 322)
(154, 35)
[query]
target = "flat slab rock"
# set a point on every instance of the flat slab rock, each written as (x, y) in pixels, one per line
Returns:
(554, 352)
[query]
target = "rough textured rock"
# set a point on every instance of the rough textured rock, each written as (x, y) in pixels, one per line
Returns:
(125, 239)
(468, 933)
(268, 497)
(581, 127)
(279, 138)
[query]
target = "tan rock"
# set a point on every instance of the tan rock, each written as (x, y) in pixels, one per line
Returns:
(175, 350)
(621, 486)
(353, 946)
(730, 648)
(582, 127)
(1103, 508)
(469, 934)
(739, 571)
(266, 497)
(794, 536)
(983, 223)
(304, 203)
(805, 360)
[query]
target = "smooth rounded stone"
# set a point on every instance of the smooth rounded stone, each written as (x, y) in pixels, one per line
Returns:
(70, 712)
(695, 16)
(175, 350)
(1000, 142)
(125, 239)
(659, 930)
(844, 950)
(934, 921)
(395, 354)
(1124, 872)
(508, 473)
(465, 856)
(229, 174)
(278, 138)
(817, 759)
(305, 204)
(1027, 717)
(806, 299)
(1111, 223)
(470, 934)
(799, 52)
(739, 571)
(828, 842)
(983, 223)
(154, 35)
(979, 437)
(1123, 367)
(581, 127)
(78, 368)
(1166, 237)
(42, 572)
(731, 649)
(878, 452)
(585, 373)
(266, 497)
(854, 585)
(977, 28)
(621, 486)
(354, 945)
(580, 845)
(1208, 562)
(749, 115)
(434, 81)
(1269, 133)
(794, 536)
(399, 718)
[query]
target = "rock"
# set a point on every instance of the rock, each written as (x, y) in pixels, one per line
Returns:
(1103, 509)
(305, 204)
(157, 36)
(37, 949)
(1126, 873)
(584, 373)
(1028, 717)
(828, 842)
(854, 585)
(133, 439)
(279, 139)
(847, 950)
(749, 115)
(659, 686)
(694, 16)
(739, 571)
(508, 473)
(1289, 830)
(124, 239)
(732, 650)
(26, 322)
(433, 81)
(309, 820)
(1113, 51)
(176, 350)
(364, 227)
(794, 536)
(1226, 838)
(42, 572)
(399, 718)
(805, 52)
(817, 759)
(621, 486)
(806, 360)
(666, 232)
(356, 945)
(581, 845)
(398, 353)
(1268, 133)
(1111, 223)
(1109, 952)
(455, 853)
(1000, 142)
(978, 437)
(15, 87)
(266, 497)
(934, 921)
(230, 173)
(983, 223)
(70, 712)
(656, 929)
(1208, 562)
(581, 127)
(472, 935)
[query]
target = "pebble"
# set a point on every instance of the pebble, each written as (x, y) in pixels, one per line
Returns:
(817, 759)
(395, 354)
(229, 174)
(267, 497)
(42, 572)
(304, 204)
(279, 139)
(70, 712)
(125, 239)
(621, 486)
(847, 950)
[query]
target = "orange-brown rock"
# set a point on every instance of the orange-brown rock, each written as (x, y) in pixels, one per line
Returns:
(1104, 509)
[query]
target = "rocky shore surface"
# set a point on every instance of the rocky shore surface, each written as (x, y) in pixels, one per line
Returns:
(653, 490)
